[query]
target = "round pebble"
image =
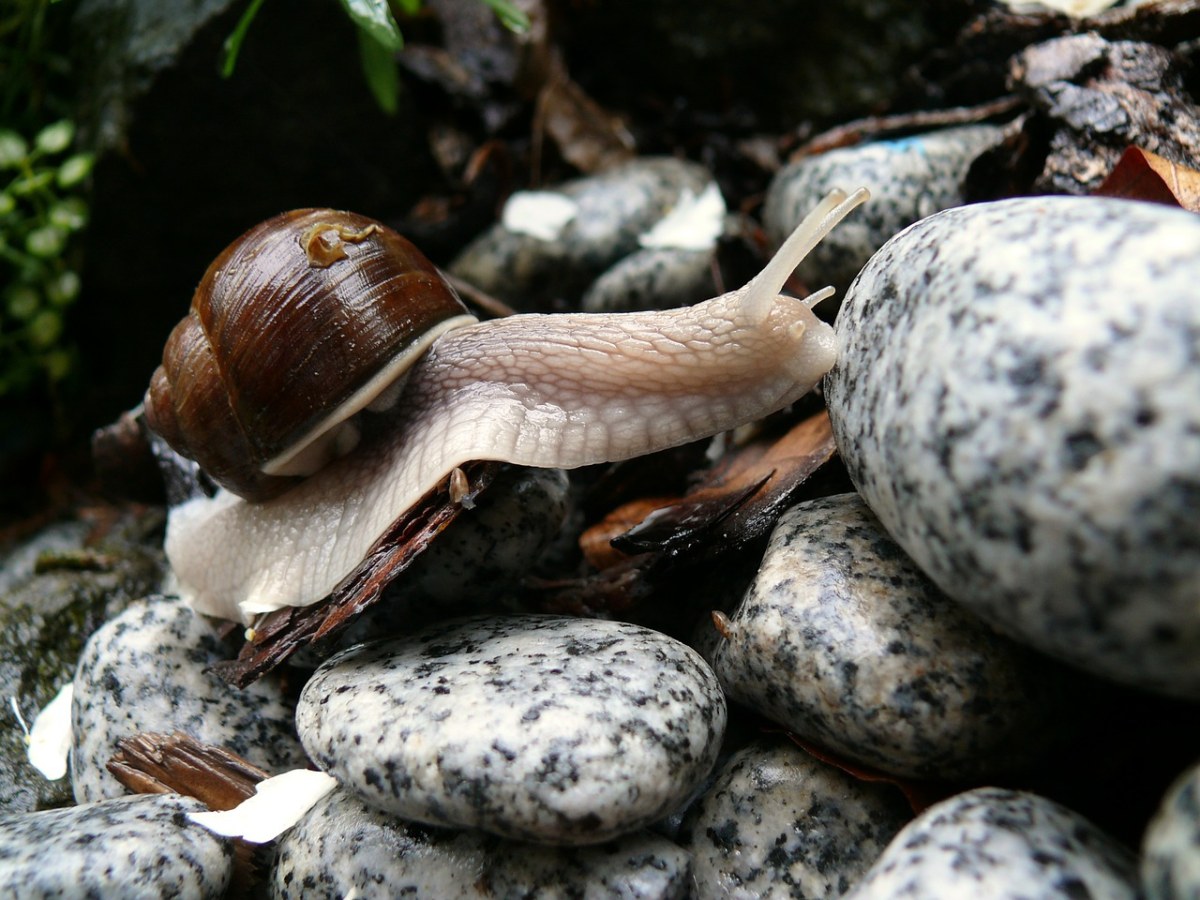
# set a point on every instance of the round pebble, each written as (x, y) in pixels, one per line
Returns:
(144, 671)
(779, 823)
(843, 641)
(537, 728)
(1017, 398)
(344, 846)
(909, 179)
(997, 844)
(613, 209)
(1170, 865)
(141, 846)
(653, 278)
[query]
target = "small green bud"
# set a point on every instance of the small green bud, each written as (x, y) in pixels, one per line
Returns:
(74, 169)
(70, 214)
(55, 138)
(29, 184)
(46, 242)
(7, 204)
(23, 302)
(63, 288)
(44, 328)
(13, 149)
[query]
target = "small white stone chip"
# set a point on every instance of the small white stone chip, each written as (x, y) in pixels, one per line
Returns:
(278, 804)
(1078, 9)
(694, 224)
(50, 737)
(539, 214)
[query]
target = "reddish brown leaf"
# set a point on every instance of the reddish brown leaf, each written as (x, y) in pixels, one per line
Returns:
(287, 630)
(1142, 175)
(596, 542)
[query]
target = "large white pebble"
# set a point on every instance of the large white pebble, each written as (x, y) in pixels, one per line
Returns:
(997, 844)
(538, 728)
(1018, 400)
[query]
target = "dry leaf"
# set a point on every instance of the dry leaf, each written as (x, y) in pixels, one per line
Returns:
(152, 763)
(1142, 175)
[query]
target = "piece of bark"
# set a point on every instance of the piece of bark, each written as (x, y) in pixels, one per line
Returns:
(177, 763)
(287, 630)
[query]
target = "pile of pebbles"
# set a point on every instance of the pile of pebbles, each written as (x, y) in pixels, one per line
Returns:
(1017, 402)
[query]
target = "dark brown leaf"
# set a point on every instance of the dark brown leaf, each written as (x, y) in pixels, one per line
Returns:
(587, 135)
(287, 630)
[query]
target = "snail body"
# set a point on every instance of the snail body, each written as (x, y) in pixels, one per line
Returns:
(558, 390)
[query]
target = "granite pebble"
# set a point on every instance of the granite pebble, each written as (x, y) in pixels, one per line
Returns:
(537, 728)
(614, 208)
(844, 641)
(1017, 397)
(998, 844)
(145, 671)
(653, 278)
(909, 178)
(1170, 863)
(345, 846)
(777, 822)
(130, 847)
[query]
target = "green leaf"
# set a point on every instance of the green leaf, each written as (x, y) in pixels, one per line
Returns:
(374, 18)
(379, 68)
(46, 242)
(44, 328)
(63, 288)
(23, 302)
(74, 169)
(55, 138)
(30, 184)
(71, 214)
(7, 204)
(510, 17)
(233, 43)
(13, 149)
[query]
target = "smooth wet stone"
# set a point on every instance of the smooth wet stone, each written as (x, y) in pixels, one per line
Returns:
(144, 671)
(1017, 397)
(997, 844)
(537, 728)
(142, 846)
(1170, 864)
(615, 208)
(779, 823)
(909, 178)
(843, 641)
(653, 278)
(343, 845)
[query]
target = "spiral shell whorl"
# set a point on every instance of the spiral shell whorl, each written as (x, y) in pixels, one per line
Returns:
(287, 335)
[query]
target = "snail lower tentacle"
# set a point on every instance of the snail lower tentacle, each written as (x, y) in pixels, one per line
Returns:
(555, 391)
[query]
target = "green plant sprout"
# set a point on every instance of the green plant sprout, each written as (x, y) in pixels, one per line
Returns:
(379, 40)
(41, 209)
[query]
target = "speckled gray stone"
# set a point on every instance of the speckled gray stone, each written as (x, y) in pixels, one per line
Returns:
(144, 671)
(1170, 865)
(842, 640)
(779, 823)
(129, 847)
(997, 844)
(538, 728)
(615, 208)
(653, 278)
(343, 845)
(1017, 398)
(909, 179)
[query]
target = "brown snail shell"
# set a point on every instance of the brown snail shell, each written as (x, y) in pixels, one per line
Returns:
(298, 325)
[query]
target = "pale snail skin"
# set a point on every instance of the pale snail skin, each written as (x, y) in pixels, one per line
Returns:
(555, 391)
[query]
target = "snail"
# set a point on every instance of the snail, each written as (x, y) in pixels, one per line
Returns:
(549, 390)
